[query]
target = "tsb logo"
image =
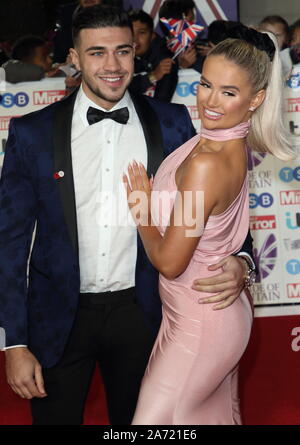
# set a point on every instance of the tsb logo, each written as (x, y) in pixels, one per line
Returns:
(263, 200)
(288, 174)
(293, 267)
(184, 89)
(8, 100)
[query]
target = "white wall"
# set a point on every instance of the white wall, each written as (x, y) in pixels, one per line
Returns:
(252, 11)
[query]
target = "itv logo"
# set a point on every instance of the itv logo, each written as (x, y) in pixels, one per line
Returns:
(292, 223)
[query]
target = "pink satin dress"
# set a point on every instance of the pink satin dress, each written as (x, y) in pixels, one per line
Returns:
(191, 377)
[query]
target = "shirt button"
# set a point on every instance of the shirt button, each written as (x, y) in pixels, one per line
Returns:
(105, 226)
(108, 141)
(107, 169)
(101, 280)
(103, 254)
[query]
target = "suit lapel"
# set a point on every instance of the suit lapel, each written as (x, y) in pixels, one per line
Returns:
(63, 156)
(152, 132)
(63, 163)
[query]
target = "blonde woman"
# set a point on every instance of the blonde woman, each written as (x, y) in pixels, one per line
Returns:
(192, 373)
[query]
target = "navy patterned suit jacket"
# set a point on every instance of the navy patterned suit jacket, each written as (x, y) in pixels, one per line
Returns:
(41, 313)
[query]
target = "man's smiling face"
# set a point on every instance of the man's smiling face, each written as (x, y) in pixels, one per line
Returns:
(105, 56)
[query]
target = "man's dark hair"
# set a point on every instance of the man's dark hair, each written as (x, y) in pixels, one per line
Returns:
(24, 47)
(99, 16)
(175, 9)
(141, 16)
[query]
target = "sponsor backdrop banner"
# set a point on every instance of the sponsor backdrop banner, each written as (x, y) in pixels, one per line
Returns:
(23, 98)
(274, 189)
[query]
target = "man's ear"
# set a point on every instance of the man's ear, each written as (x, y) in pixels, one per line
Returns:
(258, 99)
(75, 58)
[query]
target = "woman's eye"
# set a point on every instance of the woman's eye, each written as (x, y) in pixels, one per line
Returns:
(203, 84)
(229, 93)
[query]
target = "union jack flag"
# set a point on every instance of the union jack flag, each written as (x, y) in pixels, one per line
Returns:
(184, 33)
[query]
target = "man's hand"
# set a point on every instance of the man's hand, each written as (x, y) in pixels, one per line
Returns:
(164, 67)
(227, 285)
(187, 58)
(24, 373)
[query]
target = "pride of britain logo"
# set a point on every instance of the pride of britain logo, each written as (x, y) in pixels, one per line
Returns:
(254, 158)
(265, 258)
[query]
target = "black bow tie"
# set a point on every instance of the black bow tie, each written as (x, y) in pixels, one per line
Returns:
(94, 115)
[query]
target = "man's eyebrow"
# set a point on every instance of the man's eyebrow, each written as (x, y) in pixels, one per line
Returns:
(225, 87)
(103, 48)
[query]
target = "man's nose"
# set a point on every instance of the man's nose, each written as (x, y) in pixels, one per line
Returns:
(112, 62)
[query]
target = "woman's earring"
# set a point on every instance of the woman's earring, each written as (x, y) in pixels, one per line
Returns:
(252, 109)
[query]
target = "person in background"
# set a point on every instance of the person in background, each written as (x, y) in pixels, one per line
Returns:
(30, 61)
(291, 55)
(181, 9)
(155, 73)
(217, 31)
(278, 26)
(63, 39)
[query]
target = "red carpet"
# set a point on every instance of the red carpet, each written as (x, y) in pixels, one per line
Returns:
(269, 381)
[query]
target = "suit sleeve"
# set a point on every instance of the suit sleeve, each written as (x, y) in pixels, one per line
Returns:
(18, 208)
(247, 246)
(191, 131)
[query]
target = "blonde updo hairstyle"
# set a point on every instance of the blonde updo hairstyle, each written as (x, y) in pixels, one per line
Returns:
(267, 132)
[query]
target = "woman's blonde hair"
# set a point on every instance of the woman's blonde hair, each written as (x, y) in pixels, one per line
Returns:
(267, 132)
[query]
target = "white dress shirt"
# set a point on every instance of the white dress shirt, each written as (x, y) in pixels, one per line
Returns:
(107, 235)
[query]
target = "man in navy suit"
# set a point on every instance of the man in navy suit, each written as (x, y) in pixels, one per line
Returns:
(92, 294)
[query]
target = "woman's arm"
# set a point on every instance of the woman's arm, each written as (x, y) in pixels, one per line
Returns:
(171, 254)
